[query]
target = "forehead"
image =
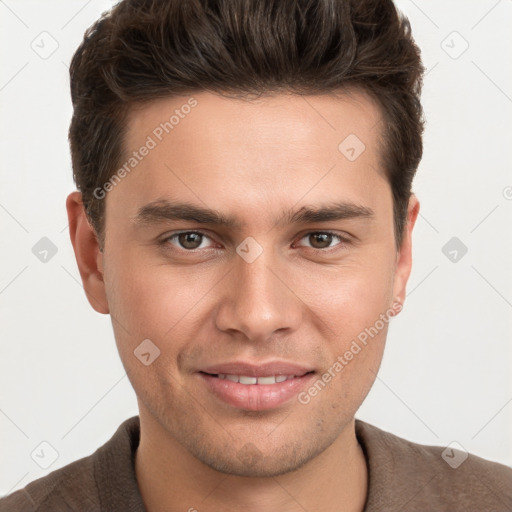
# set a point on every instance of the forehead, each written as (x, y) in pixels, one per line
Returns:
(253, 154)
(267, 120)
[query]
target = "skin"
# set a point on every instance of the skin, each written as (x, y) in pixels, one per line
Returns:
(302, 300)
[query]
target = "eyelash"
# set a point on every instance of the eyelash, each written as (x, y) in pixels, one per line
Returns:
(343, 240)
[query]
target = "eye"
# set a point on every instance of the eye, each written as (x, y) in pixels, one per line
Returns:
(188, 240)
(323, 239)
(194, 240)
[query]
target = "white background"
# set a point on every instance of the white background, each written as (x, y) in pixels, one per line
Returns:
(446, 371)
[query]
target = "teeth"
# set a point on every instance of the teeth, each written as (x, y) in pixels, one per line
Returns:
(248, 380)
(267, 380)
(244, 379)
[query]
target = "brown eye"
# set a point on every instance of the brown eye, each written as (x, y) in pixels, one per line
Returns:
(320, 240)
(323, 240)
(190, 240)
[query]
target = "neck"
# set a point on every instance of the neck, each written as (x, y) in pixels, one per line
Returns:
(170, 479)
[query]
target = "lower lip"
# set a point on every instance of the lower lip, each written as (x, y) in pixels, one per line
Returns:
(256, 397)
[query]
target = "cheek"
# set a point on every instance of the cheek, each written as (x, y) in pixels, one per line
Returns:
(352, 309)
(151, 302)
(350, 298)
(153, 299)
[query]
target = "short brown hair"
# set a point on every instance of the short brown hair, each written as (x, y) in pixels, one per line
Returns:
(147, 49)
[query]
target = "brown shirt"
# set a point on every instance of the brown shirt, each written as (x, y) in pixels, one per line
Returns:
(403, 476)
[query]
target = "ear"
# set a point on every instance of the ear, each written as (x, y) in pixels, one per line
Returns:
(87, 253)
(404, 255)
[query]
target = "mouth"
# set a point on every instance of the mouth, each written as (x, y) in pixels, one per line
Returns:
(248, 380)
(255, 388)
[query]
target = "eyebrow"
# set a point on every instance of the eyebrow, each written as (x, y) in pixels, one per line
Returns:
(164, 210)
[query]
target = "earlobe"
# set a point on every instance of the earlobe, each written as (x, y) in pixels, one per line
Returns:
(87, 253)
(404, 255)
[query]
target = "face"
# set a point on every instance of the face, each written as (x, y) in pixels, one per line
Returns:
(251, 239)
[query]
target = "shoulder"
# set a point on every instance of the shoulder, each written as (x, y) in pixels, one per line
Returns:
(71, 487)
(87, 484)
(419, 477)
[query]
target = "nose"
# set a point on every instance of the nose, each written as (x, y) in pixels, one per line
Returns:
(259, 299)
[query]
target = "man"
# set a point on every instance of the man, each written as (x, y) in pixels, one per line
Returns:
(245, 216)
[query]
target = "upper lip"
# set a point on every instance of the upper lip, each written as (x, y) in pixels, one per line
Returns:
(257, 370)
